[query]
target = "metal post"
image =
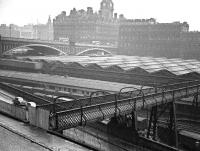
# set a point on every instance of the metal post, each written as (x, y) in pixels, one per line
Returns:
(115, 105)
(154, 122)
(171, 115)
(175, 128)
(81, 122)
(150, 121)
(134, 119)
(56, 120)
(54, 106)
(54, 110)
(54, 114)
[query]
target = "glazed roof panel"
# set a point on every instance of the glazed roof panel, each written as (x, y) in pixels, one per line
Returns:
(176, 65)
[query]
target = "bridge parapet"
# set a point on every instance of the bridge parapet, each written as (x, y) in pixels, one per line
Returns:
(31, 40)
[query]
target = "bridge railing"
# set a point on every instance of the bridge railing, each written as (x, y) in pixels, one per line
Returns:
(54, 42)
(80, 116)
(64, 105)
(31, 40)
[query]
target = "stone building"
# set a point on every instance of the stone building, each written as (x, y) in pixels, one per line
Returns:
(27, 32)
(190, 45)
(9, 31)
(146, 37)
(87, 26)
(44, 31)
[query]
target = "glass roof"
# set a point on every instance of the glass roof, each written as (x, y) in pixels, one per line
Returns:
(176, 66)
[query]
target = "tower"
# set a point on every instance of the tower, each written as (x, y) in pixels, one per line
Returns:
(49, 29)
(49, 20)
(106, 9)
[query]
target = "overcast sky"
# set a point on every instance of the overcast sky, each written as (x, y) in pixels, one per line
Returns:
(22, 12)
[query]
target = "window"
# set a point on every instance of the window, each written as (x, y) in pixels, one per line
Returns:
(74, 90)
(51, 87)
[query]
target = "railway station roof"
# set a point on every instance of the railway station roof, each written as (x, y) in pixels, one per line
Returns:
(95, 85)
(135, 64)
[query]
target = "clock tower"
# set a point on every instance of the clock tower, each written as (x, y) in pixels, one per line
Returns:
(107, 8)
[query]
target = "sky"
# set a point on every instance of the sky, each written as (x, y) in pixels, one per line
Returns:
(21, 12)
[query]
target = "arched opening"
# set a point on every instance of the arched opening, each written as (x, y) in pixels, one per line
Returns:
(34, 50)
(94, 52)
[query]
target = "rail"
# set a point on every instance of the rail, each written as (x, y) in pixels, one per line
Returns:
(74, 117)
(111, 97)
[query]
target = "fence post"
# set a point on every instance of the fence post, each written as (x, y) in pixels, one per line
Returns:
(134, 117)
(56, 121)
(115, 105)
(174, 113)
(81, 122)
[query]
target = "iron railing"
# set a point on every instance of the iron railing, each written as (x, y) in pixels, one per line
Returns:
(74, 117)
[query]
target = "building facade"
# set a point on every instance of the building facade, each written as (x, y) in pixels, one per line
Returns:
(190, 45)
(44, 31)
(150, 38)
(9, 31)
(29, 31)
(87, 26)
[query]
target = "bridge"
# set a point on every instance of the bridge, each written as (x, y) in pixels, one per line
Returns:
(68, 114)
(79, 116)
(9, 43)
(60, 115)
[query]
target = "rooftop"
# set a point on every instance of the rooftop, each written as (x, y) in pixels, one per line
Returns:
(175, 66)
(68, 81)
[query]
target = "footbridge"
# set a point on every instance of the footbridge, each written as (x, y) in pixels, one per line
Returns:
(77, 112)
(116, 104)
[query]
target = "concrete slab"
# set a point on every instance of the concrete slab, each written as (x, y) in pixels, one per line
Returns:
(38, 136)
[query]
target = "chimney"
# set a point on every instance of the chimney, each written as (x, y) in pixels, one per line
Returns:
(115, 15)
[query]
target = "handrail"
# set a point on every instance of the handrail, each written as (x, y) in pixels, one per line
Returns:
(72, 118)
(159, 90)
(136, 98)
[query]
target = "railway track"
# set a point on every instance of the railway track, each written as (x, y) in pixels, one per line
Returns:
(6, 95)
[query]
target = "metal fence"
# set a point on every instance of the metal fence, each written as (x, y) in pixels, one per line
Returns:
(105, 98)
(79, 116)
